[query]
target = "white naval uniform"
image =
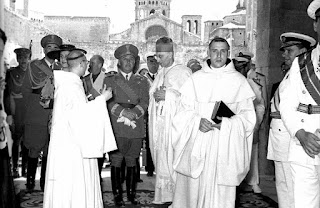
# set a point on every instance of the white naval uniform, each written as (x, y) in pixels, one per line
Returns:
(278, 150)
(305, 170)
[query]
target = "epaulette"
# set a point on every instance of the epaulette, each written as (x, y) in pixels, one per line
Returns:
(34, 61)
(139, 77)
(111, 74)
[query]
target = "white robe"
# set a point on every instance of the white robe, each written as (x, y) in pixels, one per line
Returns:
(81, 132)
(210, 165)
(160, 126)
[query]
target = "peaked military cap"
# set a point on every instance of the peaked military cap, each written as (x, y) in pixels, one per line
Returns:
(241, 59)
(193, 62)
(314, 9)
(22, 51)
(149, 54)
(53, 39)
(126, 49)
(56, 53)
(292, 38)
(245, 54)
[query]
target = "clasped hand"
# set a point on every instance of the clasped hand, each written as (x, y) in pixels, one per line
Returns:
(106, 93)
(309, 142)
(206, 125)
(159, 94)
(129, 114)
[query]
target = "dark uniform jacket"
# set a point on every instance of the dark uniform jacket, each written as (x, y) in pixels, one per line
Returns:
(13, 95)
(133, 94)
(36, 76)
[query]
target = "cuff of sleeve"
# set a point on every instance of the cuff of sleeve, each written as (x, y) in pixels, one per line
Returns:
(116, 110)
(139, 111)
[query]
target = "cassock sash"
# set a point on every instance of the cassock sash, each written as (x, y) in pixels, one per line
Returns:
(309, 77)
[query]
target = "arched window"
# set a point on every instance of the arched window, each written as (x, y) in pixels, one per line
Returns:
(152, 2)
(164, 12)
(152, 11)
(196, 26)
(156, 2)
(155, 32)
(149, 2)
(189, 25)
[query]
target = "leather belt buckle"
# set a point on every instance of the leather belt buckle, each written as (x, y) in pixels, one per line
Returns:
(309, 109)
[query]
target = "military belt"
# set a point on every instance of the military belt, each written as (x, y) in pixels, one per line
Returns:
(127, 105)
(308, 109)
(275, 115)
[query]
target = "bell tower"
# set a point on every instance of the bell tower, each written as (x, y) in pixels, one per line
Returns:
(145, 8)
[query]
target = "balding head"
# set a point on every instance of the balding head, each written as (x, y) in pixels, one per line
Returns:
(77, 62)
(96, 64)
(98, 58)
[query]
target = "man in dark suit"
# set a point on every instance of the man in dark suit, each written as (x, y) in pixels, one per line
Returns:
(37, 91)
(127, 109)
(93, 85)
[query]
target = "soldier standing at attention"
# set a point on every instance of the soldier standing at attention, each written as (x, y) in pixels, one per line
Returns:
(127, 108)
(38, 74)
(14, 107)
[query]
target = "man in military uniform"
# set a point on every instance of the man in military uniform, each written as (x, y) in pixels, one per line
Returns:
(15, 107)
(127, 108)
(38, 74)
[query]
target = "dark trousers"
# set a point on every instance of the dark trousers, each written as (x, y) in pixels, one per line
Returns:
(7, 192)
(150, 165)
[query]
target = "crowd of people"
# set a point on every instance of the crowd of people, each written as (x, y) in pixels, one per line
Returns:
(201, 141)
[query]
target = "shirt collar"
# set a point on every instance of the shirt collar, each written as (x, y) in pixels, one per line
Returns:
(124, 74)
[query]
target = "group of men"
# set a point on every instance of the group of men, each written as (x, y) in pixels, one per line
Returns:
(199, 158)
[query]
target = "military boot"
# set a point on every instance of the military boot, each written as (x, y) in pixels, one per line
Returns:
(117, 186)
(31, 173)
(131, 182)
(43, 172)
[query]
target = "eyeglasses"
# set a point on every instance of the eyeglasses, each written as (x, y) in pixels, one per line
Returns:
(85, 61)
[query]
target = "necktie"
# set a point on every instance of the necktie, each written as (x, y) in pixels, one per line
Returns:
(152, 76)
(127, 77)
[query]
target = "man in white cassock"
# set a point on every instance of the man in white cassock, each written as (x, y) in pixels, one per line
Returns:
(81, 132)
(164, 97)
(212, 159)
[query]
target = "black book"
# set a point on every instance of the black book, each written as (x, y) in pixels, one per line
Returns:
(221, 110)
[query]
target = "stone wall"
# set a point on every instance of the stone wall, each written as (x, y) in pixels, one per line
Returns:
(139, 28)
(21, 32)
(209, 26)
(78, 29)
(239, 18)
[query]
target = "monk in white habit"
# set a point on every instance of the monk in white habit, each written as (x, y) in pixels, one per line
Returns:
(210, 158)
(164, 97)
(81, 132)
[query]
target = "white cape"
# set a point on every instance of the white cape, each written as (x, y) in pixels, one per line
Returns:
(81, 132)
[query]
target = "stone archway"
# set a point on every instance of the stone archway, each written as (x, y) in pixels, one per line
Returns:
(155, 31)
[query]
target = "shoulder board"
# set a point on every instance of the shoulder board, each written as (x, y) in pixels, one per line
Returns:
(139, 77)
(109, 75)
(34, 61)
